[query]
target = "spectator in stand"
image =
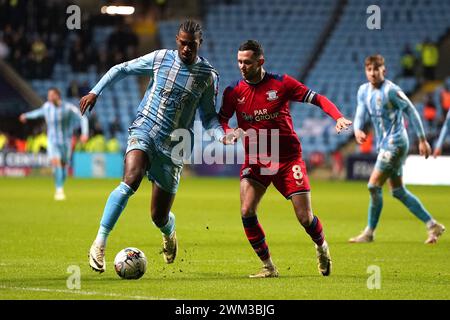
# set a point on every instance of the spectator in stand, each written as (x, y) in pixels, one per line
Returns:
(84, 88)
(429, 54)
(445, 100)
(125, 41)
(78, 57)
(337, 164)
(3, 140)
(112, 144)
(408, 61)
(430, 111)
(103, 61)
(73, 91)
(97, 143)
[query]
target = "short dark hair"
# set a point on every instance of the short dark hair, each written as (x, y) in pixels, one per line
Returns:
(252, 45)
(377, 60)
(192, 27)
(56, 90)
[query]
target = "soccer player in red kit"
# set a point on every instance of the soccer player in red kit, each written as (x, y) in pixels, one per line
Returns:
(260, 101)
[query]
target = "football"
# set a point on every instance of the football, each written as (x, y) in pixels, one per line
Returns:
(130, 263)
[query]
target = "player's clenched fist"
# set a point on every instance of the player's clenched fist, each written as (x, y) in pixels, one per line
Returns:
(88, 101)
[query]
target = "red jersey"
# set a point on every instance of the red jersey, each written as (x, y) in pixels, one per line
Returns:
(265, 105)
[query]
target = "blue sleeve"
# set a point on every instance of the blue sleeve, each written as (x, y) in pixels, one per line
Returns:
(139, 66)
(443, 133)
(35, 114)
(207, 109)
(360, 114)
(399, 100)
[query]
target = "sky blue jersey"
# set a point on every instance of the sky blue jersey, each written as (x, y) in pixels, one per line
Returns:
(444, 132)
(174, 93)
(385, 107)
(61, 121)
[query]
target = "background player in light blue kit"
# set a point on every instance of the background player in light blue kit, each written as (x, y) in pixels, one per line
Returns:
(384, 102)
(440, 142)
(61, 118)
(181, 82)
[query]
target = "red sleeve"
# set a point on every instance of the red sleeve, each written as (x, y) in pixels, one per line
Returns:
(327, 106)
(301, 93)
(296, 90)
(228, 108)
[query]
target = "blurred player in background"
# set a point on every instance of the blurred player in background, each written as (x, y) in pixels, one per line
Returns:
(181, 82)
(260, 101)
(384, 102)
(444, 131)
(61, 118)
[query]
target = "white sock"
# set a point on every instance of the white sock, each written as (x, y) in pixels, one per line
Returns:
(430, 223)
(102, 235)
(369, 231)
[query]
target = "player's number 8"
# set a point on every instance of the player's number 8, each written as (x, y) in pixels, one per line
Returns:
(298, 175)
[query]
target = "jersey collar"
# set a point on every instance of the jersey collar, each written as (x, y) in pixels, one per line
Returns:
(177, 59)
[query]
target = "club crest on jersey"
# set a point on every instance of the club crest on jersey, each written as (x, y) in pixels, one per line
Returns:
(272, 95)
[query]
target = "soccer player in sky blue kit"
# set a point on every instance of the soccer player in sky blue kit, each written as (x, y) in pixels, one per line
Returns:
(61, 118)
(440, 142)
(384, 103)
(181, 82)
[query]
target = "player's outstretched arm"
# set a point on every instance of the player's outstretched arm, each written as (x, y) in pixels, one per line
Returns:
(87, 102)
(139, 66)
(299, 92)
(35, 114)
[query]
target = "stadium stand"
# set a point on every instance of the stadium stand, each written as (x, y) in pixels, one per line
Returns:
(339, 69)
(290, 33)
(288, 30)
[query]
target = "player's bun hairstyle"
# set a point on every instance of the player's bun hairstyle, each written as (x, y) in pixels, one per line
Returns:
(192, 27)
(56, 90)
(377, 60)
(254, 46)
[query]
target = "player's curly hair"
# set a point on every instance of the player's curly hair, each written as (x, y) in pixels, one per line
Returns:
(192, 27)
(254, 46)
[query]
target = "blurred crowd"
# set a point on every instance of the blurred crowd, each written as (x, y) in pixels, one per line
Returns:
(37, 142)
(420, 62)
(33, 42)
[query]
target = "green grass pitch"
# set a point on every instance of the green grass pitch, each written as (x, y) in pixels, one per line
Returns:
(41, 238)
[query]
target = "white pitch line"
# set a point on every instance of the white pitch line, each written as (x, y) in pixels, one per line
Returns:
(85, 293)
